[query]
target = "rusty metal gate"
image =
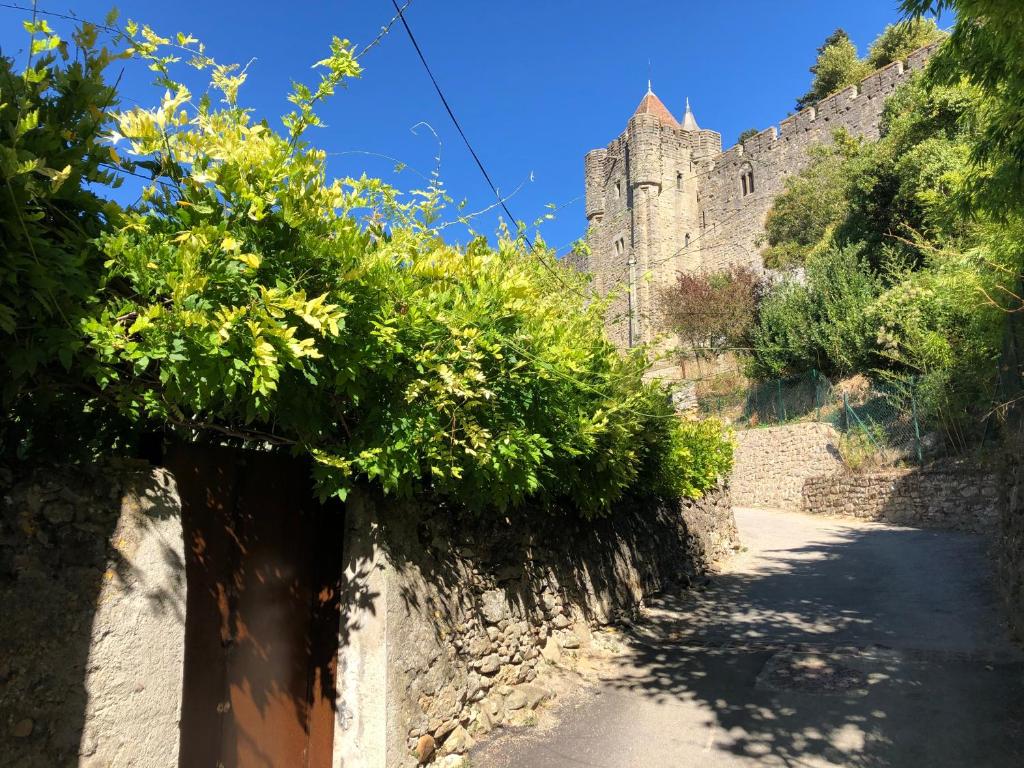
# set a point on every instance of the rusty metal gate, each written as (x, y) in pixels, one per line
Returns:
(261, 627)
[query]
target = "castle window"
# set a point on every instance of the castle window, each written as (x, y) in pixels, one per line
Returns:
(618, 190)
(679, 181)
(747, 179)
(686, 240)
(703, 219)
(620, 246)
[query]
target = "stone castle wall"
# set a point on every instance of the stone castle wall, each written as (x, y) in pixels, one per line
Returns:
(735, 220)
(771, 464)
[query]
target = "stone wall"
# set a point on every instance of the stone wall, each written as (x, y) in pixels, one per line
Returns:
(1009, 549)
(459, 619)
(951, 495)
(772, 463)
(92, 629)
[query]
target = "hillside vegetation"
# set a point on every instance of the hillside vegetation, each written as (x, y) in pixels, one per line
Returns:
(903, 256)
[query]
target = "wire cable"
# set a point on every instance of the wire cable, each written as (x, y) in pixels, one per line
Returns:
(455, 120)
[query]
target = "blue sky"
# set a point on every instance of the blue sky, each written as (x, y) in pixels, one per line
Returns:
(535, 83)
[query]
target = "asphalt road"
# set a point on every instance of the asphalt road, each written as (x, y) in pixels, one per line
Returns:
(825, 644)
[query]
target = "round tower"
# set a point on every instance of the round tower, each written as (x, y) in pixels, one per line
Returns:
(593, 171)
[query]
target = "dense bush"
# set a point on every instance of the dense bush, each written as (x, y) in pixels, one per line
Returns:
(714, 312)
(818, 322)
(249, 297)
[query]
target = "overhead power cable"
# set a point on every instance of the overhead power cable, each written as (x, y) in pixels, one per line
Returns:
(479, 164)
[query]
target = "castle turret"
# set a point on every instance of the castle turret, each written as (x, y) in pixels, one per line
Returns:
(689, 121)
(593, 171)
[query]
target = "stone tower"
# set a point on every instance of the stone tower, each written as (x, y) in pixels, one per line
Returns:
(663, 198)
(643, 208)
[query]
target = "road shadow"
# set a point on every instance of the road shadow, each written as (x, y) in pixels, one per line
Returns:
(872, 647)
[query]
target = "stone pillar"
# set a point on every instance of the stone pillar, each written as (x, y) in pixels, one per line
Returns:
(134, 675)
(361, 733)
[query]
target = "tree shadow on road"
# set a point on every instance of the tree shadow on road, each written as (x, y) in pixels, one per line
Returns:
(841, 652)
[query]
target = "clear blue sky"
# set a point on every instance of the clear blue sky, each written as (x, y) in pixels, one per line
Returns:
(535, 83)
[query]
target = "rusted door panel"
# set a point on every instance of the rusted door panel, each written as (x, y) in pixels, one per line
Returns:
(262, 620)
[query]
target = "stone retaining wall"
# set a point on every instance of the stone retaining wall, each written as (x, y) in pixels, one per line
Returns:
(1009, 549)
(459, 619)
(772, 463)
(92, 609)
(951, 495)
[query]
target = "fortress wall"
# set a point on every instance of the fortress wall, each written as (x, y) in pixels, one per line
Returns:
(736, 221)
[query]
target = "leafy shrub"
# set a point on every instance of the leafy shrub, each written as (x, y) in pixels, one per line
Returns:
(712, 312)
(249, 297)
(819, 323)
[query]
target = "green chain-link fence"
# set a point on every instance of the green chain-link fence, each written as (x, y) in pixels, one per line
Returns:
(876, 417)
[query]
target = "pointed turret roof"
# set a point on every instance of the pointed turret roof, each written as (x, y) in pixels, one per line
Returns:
(689, 121)
(651, 105)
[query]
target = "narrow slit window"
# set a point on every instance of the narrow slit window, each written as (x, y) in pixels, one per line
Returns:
(750, 180)
(743, 181)
(703, 220)
(679, 181)
(618, 190)
(686, 240)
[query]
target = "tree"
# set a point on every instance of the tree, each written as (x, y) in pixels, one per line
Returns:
(837, 66)
(813, 202)
(713, 312)
(747, 134)
(987, 48)
(899, 40)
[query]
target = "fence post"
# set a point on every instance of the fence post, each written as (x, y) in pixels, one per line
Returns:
(817, 395)
(917, 430)
(782, 405)
(846, 412)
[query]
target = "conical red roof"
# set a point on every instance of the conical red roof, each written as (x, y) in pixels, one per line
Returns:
(651, 105)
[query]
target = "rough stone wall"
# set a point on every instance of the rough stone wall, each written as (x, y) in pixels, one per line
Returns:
(662, 199)
(1009, 549)
(771, 464)
(471, 614)
(92, 630)
(949, 495)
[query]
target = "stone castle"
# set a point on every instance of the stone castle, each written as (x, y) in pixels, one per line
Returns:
(663, 197)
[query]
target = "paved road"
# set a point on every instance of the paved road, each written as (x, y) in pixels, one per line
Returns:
(825, 644)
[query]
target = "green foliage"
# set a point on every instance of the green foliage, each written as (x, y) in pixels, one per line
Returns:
(54, 118)
(812, 203)
(837, 67)
(818, 323)
(986, 48)
(899, 40)
(696, 459)
(747, 134)
(250, 297)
